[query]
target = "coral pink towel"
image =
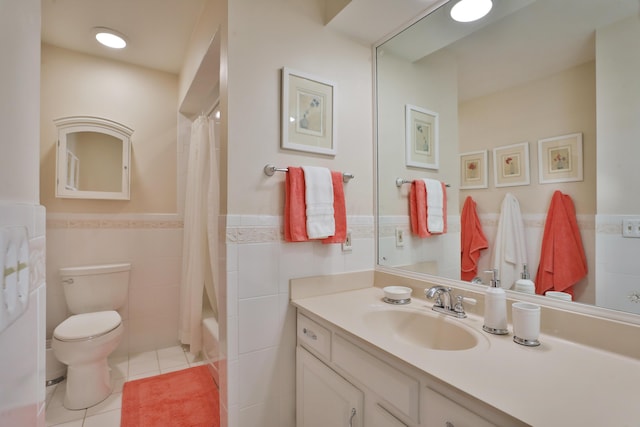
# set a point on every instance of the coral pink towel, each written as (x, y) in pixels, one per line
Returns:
(562, 259)
(339, 210)
(295, 220)
(473, 240)
(418, 208)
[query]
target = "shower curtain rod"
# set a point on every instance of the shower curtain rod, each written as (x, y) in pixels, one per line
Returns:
(269, 170)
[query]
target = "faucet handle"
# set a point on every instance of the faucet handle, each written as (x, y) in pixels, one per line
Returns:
(459, 308)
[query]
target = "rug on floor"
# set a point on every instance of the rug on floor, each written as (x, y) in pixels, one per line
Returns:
(186, 398)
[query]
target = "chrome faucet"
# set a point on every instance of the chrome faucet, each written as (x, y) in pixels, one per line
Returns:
(442, 303)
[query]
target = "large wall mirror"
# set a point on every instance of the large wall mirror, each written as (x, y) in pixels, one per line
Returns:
(92, 159)
(530, 71)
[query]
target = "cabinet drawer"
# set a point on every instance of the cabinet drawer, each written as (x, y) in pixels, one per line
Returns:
(391, 384)
(314, 337)
(441, 411)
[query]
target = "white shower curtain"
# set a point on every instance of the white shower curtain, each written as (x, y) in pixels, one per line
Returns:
(199, 253)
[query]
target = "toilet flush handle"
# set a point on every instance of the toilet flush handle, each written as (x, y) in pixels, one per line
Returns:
(68, 281)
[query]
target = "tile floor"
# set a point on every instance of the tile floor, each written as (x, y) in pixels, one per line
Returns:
(123, 368)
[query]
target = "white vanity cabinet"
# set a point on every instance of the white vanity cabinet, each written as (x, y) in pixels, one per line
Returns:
(324, 397)
(343, 381)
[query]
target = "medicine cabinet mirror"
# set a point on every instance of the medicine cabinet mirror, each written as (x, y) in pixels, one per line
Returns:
(92, 158)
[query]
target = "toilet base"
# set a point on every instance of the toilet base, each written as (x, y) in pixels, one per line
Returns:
(87, 384)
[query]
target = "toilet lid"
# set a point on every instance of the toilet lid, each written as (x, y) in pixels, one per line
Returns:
(87, 325)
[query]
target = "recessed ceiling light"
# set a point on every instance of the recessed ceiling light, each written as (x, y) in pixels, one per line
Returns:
(109, 37)
(470, 10)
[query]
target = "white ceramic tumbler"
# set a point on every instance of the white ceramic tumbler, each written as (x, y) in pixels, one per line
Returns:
(526, 323)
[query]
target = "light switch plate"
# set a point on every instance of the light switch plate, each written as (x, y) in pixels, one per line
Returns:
(347, 245)
(631, 227)
(399, 237)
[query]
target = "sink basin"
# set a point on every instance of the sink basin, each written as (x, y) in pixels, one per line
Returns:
(421, 329)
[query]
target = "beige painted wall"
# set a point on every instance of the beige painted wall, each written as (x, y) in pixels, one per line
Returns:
(431, 84)
(618, 117)
(140, 98)
(557, 105)
(19, 109)
(264, 37)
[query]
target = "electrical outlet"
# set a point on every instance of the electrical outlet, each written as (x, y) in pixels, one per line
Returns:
(631, 227)
(399, 237)
(347, 245)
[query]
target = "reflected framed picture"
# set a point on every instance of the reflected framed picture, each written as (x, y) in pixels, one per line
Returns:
(560, 159)
(421, 137)
(511, 165)
(473, 170)
(307, 113)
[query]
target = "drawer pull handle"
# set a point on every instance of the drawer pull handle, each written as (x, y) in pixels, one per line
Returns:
(310, 333)
(353, 414)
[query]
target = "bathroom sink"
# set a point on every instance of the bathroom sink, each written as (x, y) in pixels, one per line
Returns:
(421, 329)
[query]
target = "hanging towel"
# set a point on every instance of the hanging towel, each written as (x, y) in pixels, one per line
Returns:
(295, 220)
(418, 208)
(339, 210)
(562, 259)
(436, 206)
(510, 249)
(473, 240)
(318, 197)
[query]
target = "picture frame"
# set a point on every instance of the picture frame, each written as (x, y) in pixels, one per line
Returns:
(421, 137)
(511, 165)
(474, 170)
(308, 113)
(560, 159)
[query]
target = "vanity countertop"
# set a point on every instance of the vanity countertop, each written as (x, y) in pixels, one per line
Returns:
(557, 383)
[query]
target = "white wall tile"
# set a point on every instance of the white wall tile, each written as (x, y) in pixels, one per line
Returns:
(258, 376)
(259, 325)
(258, 269)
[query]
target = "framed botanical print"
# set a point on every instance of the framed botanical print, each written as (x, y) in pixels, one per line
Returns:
(421, 137)
(473, 170)
(560, 159)
(511, 165)
(307, 113)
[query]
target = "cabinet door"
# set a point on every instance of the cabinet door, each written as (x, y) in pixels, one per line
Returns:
(443, 412)
(324, 398)
(382, 418)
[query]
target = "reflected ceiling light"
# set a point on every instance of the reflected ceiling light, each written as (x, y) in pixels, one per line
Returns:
(109, 37)
(470, 10)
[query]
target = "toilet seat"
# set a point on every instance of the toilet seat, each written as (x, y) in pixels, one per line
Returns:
(86, 326)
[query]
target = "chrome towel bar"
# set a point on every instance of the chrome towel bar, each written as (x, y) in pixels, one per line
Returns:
(269, 170)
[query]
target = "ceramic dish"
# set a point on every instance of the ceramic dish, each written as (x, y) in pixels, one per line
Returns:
(397, 294)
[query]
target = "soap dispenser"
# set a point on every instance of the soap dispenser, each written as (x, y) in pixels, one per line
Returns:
(495, 307)
(525, 284)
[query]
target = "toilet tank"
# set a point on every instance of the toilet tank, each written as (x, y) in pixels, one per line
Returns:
(95, 287)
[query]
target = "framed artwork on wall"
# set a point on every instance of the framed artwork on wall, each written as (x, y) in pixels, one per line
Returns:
(560, 159)
(511, 165)
(307, 113)
(421, 137)
(473, 170)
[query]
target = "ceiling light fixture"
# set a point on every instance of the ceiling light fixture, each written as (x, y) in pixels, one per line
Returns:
(109, 37)
(470, 10)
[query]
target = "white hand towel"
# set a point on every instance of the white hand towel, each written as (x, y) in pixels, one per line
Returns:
(435, 205)
(319, 202)
(510, 249)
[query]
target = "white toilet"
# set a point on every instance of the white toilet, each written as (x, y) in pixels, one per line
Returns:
(84, 341)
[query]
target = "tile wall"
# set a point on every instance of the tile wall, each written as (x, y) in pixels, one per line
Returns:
(261, 323)
(152, 243)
